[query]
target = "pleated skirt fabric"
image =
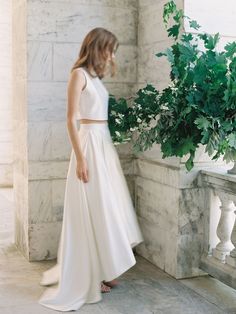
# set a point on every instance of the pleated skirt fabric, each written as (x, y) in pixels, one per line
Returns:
(99, 227)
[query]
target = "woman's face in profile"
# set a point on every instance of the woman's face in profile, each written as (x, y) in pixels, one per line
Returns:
(110, 56)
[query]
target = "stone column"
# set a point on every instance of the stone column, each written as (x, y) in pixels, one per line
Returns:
(5, 95)
(19, 107)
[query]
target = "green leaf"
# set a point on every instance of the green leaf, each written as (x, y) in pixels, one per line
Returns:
(160, 54)
(227, 126)
(213, 143)
(170, 55)
(174, 31)
(202, 123)
(229, 155)
(184, 146)
(210, 42)
(187, 52)
(169, 9)
(194, 24)
(189, 163)
(187, 37)
(230, 49)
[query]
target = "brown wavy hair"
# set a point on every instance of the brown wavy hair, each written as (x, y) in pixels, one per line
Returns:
(93, 51)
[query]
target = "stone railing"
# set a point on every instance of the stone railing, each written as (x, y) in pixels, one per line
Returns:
(219, 258)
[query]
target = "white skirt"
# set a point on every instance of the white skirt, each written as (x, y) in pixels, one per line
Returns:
(99, 227)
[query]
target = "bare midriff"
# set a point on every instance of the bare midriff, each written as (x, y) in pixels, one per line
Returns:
(92, 121)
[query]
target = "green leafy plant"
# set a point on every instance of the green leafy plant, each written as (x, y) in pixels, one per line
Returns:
(198, 106)
(130, 122)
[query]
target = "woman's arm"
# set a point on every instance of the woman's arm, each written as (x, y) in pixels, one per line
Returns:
(74, 89)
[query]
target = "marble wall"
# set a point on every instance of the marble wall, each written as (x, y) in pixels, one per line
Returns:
(47, 49)
(6, 157)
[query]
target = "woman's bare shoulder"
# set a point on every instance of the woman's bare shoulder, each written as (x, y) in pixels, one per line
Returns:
(78, 75)
(77, 72)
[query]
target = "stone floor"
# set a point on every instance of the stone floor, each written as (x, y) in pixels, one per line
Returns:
(144, 289)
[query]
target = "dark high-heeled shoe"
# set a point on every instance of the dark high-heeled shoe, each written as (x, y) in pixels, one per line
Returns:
(111, 283)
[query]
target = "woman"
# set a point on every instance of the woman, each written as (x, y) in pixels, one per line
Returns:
(99, 226)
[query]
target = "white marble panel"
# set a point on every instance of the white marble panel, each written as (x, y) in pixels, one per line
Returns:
(39, 63)
(40, 201)
(171, 254)
(150, 19)
(21, 236)
(120, 89)
(48, 141)
(70, 22)
(154, 246)
(47, 101)
(130, 183)
(157, 203)
(191, 211)
(124, 150)
(40, 170)
(39, 140)
(151, 68)
(188, 255)
(147, 3)
(126, 58)
(127, 165)
(58, 194)
(144, 3)
(114, 3)
(157, 172)
(60, 142)
(65, 55)
(154, 154)
(44, 240)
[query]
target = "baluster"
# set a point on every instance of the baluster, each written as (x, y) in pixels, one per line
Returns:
(225, 227)
(231, 258)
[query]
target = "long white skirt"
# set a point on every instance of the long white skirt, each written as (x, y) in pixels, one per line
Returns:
(99, 227)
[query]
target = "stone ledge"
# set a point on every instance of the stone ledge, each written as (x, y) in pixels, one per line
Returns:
(221, 271)
(218, 178)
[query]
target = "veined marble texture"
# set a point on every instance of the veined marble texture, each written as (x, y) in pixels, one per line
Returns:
(44, 53)
(171, 218)
(46, 41)
(69, 21)
(64, 56)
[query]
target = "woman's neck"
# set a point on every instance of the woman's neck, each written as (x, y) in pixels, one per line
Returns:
(92, 73)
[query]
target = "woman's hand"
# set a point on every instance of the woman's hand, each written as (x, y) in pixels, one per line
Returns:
(82, 169)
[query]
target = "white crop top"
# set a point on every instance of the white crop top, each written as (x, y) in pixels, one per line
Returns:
(94, 99)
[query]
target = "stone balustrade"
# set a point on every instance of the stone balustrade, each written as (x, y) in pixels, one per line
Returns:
(219, 257)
